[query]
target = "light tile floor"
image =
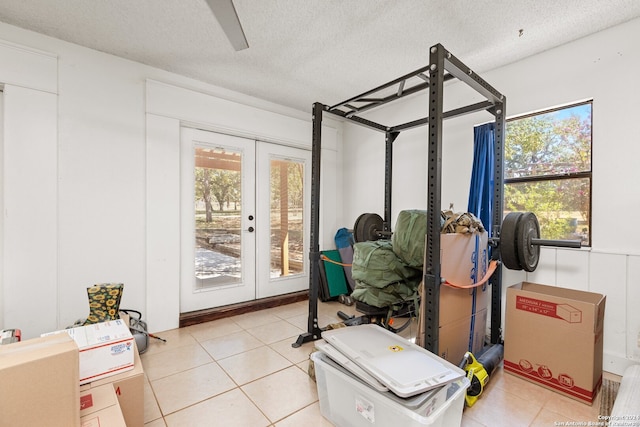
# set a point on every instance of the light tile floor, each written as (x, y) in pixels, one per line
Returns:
(242, 371)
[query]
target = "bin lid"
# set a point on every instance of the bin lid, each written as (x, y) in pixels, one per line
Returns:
(349, 365)
(404, 367)
(413, 402)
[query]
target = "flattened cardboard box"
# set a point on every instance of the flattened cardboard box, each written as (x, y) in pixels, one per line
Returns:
(39, 382)
(554, 338)
(106, 349)
(99, 407)
(129, 389)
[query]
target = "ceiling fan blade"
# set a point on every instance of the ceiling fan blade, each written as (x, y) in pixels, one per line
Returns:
(225, 13)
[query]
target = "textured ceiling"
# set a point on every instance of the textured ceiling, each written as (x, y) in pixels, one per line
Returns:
(302, 51)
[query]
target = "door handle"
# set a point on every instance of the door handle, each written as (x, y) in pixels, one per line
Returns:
(250, 229)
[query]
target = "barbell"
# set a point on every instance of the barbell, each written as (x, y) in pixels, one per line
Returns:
(519, 242)
(369, 226)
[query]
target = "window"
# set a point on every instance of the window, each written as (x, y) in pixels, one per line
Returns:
(547, 160)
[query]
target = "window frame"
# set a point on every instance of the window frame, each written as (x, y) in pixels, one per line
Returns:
(563, 176)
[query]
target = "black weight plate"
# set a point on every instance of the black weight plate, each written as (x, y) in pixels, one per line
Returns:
(367, 226)
(356, 226)
(528, 229)
(509, 241)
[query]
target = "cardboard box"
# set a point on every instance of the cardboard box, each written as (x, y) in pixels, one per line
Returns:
(463, 335)
(554, 338)
(463, 261)
(463, 257)
(99, 407)
(106, 349)
(39, 382)
(129, 389)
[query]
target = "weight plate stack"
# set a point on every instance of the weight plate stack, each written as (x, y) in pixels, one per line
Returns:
(367, 226)
(509, 241)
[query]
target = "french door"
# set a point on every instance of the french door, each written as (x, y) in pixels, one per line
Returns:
(244, 219)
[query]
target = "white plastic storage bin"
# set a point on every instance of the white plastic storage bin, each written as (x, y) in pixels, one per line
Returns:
(348, 402)
(402, 366)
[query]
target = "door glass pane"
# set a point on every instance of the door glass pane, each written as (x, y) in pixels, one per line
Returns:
(286, 212)
(218, 213)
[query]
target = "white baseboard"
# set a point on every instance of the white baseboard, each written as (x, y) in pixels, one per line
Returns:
(616, 363)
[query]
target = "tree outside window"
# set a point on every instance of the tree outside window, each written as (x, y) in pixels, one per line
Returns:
(547, 159)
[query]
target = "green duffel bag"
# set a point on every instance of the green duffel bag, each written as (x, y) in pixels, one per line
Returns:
(376, 264)
(409, 235)
(392, 294)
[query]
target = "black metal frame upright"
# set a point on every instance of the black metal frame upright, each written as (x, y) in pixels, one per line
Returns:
(443, 66)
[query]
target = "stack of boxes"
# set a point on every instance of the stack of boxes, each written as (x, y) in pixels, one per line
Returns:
(463, 312)
(90, 376)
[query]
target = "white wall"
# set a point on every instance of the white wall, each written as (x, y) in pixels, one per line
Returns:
(29, 187)
(81, 187)
(603, 67)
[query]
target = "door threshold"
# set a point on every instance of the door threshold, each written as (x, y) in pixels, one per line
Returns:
(207, 315)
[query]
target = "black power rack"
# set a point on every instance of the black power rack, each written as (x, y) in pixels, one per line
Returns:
(443, 66)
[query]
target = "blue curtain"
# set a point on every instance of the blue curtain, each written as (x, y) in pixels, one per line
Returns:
(482, 183)
(481, 191)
